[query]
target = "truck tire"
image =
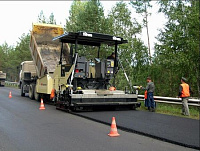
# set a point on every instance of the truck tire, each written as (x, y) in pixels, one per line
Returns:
(19, 85)
(22, 93)
(37, 95)
(31, 92)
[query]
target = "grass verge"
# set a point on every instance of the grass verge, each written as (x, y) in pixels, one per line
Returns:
(175, 110)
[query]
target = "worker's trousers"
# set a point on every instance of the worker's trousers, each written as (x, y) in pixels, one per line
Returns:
(150, 99)
(185, 108)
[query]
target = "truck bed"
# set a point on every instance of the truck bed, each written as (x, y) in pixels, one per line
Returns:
(50, 56)
(45, 52)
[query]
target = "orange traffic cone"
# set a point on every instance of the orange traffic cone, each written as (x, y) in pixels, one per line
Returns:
(113, 129)
(42, 105)
(10, 95)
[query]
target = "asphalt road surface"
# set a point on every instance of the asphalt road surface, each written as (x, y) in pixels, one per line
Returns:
(177, 130)
(23, 127)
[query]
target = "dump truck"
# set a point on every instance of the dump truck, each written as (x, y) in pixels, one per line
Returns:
(70, 80)
(46, 55)
(27, 78)
(2, 78)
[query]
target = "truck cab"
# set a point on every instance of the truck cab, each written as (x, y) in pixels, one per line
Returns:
(2, 78)
(27, 75)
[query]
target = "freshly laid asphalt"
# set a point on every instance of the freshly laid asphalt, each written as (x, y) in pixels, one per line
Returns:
(24, 127)
(177, 130)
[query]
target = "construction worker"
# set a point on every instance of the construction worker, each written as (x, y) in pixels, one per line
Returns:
(149, 102)
(184, 93)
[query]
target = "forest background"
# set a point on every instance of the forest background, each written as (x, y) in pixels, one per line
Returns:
(176, 52)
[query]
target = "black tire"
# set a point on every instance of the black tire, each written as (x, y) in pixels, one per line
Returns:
(19, 85)
(74, 109)
(22, 93)
(37, 95)
(31, 92)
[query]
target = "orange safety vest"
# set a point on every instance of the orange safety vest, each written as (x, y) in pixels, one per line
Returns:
(145, 94)
(185, 90)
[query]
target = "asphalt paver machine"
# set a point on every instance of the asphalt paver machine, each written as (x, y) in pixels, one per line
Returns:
(86, 83)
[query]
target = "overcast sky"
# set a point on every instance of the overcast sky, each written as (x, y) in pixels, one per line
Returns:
(17, 18)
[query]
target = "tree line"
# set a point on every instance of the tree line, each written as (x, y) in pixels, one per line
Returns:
(176, 52)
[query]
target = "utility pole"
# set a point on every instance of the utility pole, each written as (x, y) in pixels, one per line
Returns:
(146, 15)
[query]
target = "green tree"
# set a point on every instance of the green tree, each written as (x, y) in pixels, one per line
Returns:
(12, 57)
(52, 19)
(92, 17)
(141, 7)
(22, 48)
(134, 55)
(3, 57)
(87, 16)
(177, 52)
(43, 19)
(6, 58)
(77, 8)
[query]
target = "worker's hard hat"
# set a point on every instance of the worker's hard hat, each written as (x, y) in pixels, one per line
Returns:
(184, 79)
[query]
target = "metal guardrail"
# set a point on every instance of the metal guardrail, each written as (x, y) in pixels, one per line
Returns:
(15, 84)
(160, 99)
(170, 100)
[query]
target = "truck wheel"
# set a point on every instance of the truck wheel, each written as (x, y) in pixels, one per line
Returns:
(19, 85)
(22, 93)
(37, 96)
(31, 92)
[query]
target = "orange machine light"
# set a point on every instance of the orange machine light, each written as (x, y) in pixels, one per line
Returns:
(52, 94)
(112, 88)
